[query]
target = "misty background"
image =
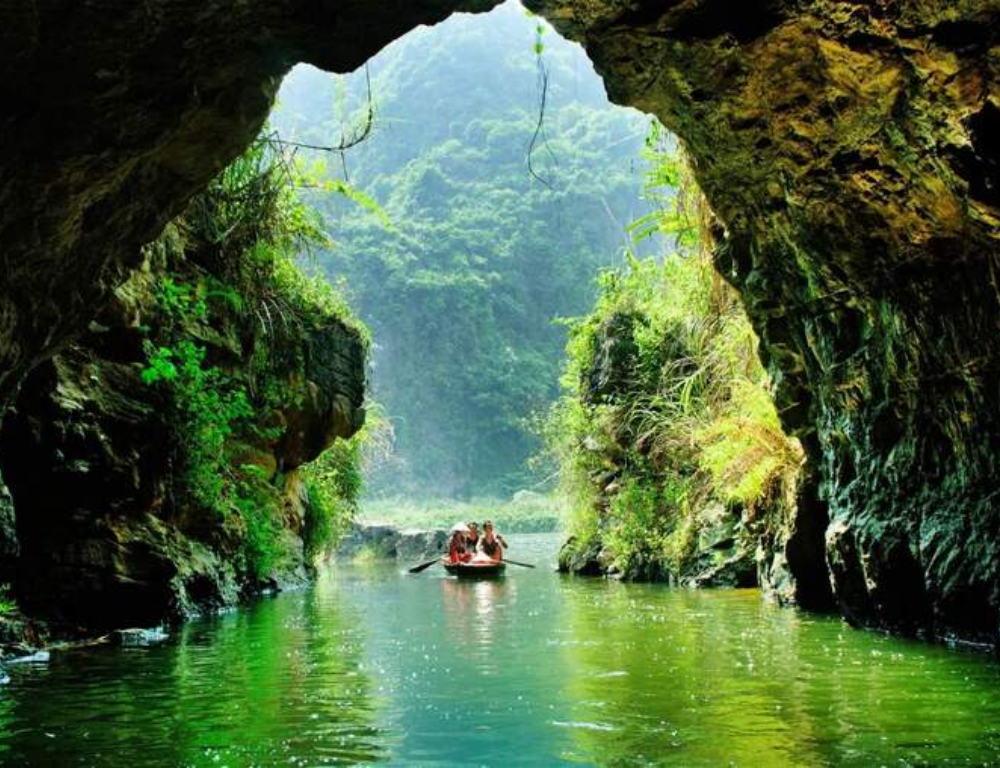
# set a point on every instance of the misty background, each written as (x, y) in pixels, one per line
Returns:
(464, 290)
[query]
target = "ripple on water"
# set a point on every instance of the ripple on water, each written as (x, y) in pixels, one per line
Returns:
(533, 670)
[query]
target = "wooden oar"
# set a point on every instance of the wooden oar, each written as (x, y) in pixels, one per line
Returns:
(514, 562)
(424, 566)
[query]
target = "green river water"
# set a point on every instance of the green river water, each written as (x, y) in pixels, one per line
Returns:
(372, 664)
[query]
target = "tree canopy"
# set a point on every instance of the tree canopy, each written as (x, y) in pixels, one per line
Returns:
(480, 257)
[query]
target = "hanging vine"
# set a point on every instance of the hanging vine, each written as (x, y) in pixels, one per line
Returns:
(538, 136)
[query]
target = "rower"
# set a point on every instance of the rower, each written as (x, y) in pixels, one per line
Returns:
(459, 550)
(472, 537)
(456, 548)
(490, 544)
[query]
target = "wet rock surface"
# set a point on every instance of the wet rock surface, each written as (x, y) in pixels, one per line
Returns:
(9, 546)
(848, 149)
(842, 147)
(124, 112)
(387, 542)
(105, 539)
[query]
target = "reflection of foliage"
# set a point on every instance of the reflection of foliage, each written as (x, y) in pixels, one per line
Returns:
(298, 661)
(641, 656)
(462, 289)
(690, 419)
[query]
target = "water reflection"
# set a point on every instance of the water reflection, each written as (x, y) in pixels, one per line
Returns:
(701, 679)
(254, 687)
(475, 615)
(532, 670)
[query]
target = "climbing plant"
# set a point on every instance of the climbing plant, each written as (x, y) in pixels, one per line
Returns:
(462, 289)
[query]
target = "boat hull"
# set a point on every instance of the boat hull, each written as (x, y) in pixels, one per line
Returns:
(475, 571)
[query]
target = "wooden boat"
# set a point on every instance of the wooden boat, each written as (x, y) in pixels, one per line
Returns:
(475, 570)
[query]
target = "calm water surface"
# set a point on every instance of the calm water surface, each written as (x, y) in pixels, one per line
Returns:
(375, 665)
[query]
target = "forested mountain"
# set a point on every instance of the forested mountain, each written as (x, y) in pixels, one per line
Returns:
(462, 287)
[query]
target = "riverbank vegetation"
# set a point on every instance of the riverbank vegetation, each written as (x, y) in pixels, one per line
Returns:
(668, 442)
(526, 512)
(229, 345)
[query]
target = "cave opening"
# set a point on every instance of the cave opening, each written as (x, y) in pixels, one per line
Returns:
(157, 334)
(484, 232)
(840, 201)
(503, 216)
(457, 135)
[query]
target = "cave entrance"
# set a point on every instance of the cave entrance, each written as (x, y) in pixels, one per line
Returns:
(506, 184)
(849, 156)
(498, 222)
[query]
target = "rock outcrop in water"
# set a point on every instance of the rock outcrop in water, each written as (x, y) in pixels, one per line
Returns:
(387, 542)
(848, 149)
(94, 454)
(655, 399)
(850, 153)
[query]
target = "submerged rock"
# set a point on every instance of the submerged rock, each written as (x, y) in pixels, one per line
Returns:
(139, 638)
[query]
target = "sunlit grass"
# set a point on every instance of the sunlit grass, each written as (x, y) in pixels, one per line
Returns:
(528, 513)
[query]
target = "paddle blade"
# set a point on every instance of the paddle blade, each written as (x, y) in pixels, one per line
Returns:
(423, 566)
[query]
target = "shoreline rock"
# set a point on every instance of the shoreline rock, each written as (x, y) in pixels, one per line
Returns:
(388, 542)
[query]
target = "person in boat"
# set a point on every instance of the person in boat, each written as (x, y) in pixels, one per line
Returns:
(490, 544)
(457, 549)
(472, 537)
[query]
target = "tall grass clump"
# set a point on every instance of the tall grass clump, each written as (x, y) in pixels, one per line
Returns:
(335, 480)
(667, 412)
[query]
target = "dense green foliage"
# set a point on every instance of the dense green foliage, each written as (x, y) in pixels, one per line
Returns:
(334, 484)
(211, 406)
(525, 513)
(667, 416)
(226, 345)
(462, 288)
(335, 481)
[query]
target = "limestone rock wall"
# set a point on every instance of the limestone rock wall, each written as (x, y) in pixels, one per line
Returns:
(850, 152)
(731, 546)
(119, 112)
(105, 536)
